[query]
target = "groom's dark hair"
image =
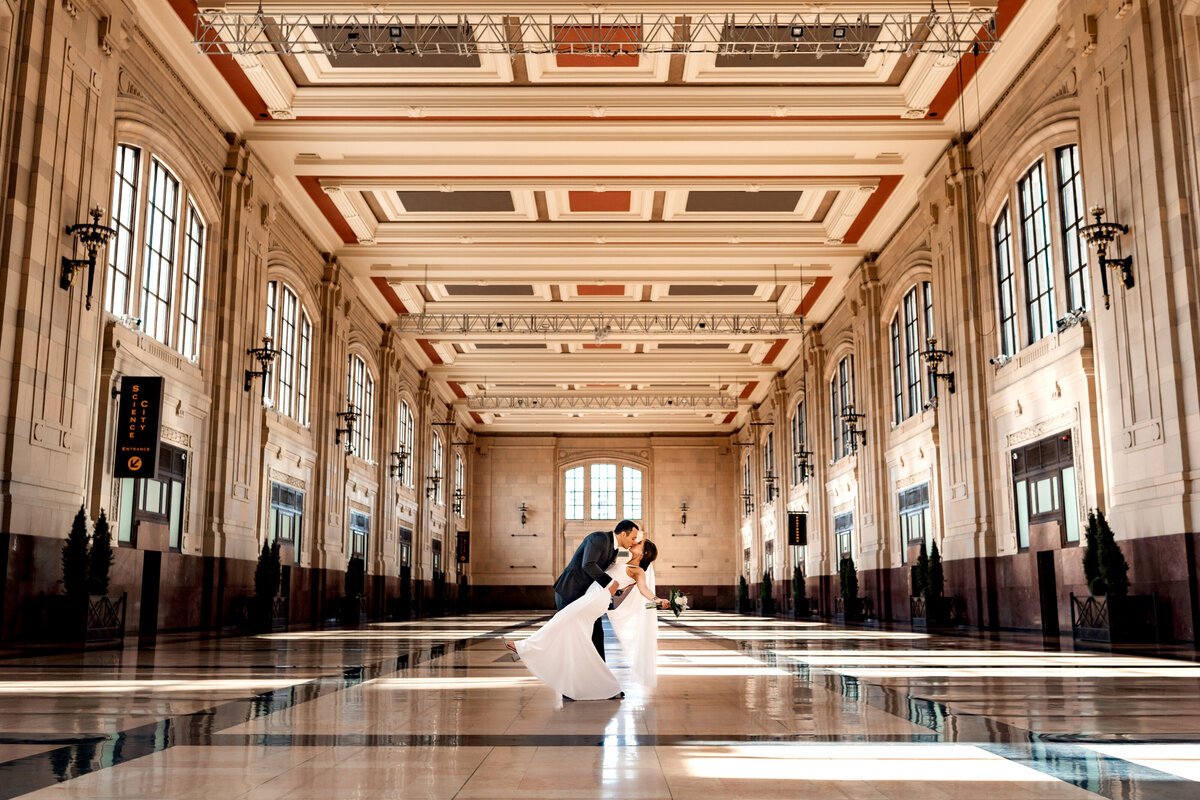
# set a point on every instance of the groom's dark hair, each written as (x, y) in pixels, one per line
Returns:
(626, 525)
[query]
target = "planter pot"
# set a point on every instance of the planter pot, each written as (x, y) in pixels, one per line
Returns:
(935, 612)
(97, 619)
(265, 615)
(1116, 620)
(854, 609)
(745, 605)
(768, 607)
(802, 609)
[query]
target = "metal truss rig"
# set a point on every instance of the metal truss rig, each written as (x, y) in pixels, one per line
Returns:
(602, 402)
(603, 325)
(948, 32)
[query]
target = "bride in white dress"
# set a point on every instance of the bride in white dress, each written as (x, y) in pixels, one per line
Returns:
(561, 653)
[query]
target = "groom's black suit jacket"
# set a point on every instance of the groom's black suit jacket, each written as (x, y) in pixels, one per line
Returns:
(591, 559)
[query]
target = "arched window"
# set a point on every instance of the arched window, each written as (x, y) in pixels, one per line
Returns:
(1029, 299)
(799, 439)
(747, 488)
(438, 461)
(156, 257)
(841, 397)
(360, 394)
(405, 431)
(912, 325)
(290, 330)
(460, 484)
(592, 491)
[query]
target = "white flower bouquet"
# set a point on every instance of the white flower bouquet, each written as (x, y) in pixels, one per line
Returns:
(678, 602)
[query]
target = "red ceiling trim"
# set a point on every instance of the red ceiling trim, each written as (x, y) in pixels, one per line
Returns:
(429, 351)
(229, 69)
(583, 202)
(389, 294)
(1006, 11)
(478, 419)
(813, 294)
(729, 417)
(870, 209)
(750, 387)
(619, 47)
(312, 185)
(774, 351)
(606, 346)
(454, 387)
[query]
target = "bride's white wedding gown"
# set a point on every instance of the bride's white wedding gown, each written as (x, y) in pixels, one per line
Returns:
(561, 653)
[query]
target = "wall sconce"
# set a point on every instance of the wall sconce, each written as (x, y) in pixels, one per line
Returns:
(264, 356)
(348, 418)
(803, 461)
(748, 501)
(933, 359)
(1101, 234)
(431, 484)
(459, 496)
(92, 235)
(396, 468)
(851, 422)
(769, 480)
(524, 514)
(683, 509)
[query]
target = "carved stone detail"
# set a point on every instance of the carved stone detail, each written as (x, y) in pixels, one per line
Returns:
(1043, 428)
(280, 476)
(174, 436)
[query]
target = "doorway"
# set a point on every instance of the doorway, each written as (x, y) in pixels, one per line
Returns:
(1048, 592)
(151, 573)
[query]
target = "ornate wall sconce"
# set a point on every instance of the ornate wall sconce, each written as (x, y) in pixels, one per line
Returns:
(1102, 234)
(431, 484)
(396, 468)
(769, 482)
(683, 509)
(748, 501)
(851, 422)
(524, 514)
(933, 358)
(264, 355)
(347, 418)
(92, 235)
(459, 496)
(803, 459)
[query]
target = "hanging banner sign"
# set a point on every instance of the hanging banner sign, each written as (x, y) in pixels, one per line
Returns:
(138, 427)
(464, 547)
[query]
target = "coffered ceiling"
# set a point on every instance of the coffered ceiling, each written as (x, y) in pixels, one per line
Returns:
(465, 180)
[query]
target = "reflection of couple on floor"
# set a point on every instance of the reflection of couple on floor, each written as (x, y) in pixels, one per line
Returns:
(567, 653)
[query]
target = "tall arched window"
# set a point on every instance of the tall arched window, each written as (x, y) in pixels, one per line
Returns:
(460, 484)
(405, 432)
(438, 461)
(1028, 299)
(156, 258)
(799, 439)
(912, 325)
(360, 393)
(593, 491)
(841, 396)
(290, 330)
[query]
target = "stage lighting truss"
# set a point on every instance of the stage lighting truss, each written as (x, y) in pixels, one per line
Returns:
(247, 30)
(603, 402)
(760, 326)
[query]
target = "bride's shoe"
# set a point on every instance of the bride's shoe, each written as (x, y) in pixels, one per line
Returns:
(512, 648)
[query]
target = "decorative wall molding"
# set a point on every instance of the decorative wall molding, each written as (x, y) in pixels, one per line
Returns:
(288, 480)
(1042, 429)
(360, 507)
(174, 436)
(925, 476)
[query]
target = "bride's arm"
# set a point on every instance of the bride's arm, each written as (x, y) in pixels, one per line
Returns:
(639, 576)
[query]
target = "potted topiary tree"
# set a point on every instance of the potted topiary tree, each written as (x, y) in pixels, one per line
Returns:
(262, 611)
(85, 613)
(745, 605)
(768, 601)
(353, 612)
(106, 615)
(852, 604)
(800, 605)
(918, 610)
(1110, 614)
(936, 606)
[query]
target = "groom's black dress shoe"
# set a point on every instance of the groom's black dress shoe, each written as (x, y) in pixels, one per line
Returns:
(568, 699)
(618, 696)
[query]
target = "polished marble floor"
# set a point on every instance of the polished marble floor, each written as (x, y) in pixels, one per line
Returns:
(746, 707)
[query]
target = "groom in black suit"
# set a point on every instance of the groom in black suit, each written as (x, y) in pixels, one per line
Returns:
(595, 555)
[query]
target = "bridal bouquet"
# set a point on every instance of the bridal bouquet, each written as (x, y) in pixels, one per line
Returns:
(678, 601)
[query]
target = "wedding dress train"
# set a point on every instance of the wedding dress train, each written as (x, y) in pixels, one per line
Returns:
(561, 653)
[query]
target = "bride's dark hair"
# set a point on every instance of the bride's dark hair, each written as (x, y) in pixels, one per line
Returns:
(649, 553)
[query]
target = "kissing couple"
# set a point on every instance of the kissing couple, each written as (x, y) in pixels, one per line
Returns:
(567, 653)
